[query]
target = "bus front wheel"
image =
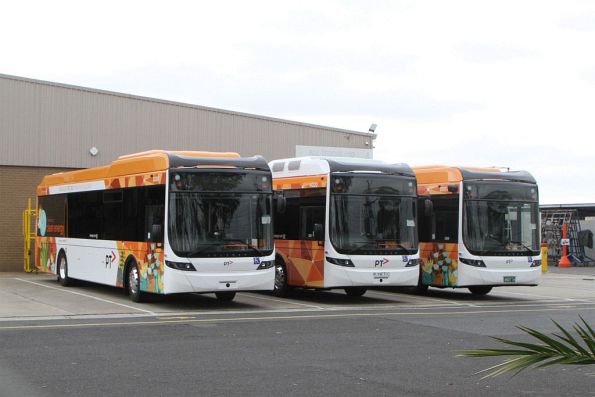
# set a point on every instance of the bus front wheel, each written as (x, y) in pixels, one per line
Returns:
(62, 271)
(280, 288)
(480, 289)
(225, 296)
(133, 284)
(355, 291)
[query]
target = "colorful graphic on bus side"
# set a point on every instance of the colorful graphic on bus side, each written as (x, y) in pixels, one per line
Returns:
(439, 264)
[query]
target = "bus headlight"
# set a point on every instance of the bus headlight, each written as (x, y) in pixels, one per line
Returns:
(536, 263)
(181, 266)
(340, 262)
(412, 262)
(266, 265)
(473, 262)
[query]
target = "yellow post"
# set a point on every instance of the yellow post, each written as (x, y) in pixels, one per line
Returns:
(544, 257)
(28, 236)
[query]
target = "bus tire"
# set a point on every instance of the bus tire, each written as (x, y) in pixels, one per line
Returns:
(355, 291)
(133, 283)
(280, 287)
(480, 289)
(421, 288)
(225, 296)
(62, 271)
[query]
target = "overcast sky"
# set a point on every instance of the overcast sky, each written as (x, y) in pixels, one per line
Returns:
(482, 83)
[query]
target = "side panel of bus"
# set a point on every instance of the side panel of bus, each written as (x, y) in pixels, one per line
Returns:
(304, 261)
(306, 199)
(103, 262)
(439, 236)
(439, 264)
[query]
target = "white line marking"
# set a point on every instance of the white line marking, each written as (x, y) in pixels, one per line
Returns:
(87, 296)
(279, 318)
(538, 296)
(424, 298)
(281, 301)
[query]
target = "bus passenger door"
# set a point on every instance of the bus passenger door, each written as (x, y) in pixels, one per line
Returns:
(308, 259)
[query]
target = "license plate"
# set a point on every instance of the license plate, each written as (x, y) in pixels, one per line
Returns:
(509, 279)
(381, 275)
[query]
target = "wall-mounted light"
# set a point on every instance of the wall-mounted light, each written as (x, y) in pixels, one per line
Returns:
(94, 151)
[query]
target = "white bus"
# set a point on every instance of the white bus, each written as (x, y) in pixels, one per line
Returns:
(478, 228)
(344, 223)
(160, 222)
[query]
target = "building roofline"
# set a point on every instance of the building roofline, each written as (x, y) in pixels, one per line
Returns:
(185, 105)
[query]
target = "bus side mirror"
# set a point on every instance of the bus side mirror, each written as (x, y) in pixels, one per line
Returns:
(156, 233)
(318, 232)
(280, 203)
(428, 208)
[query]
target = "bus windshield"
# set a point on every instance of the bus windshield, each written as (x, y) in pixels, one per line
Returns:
(222, 213)
(501, 218)
(373, 214)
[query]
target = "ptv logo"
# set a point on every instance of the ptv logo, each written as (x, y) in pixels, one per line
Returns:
(109, 259)
(380, 262)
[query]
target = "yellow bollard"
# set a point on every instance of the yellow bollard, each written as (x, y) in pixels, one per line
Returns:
(544, 257)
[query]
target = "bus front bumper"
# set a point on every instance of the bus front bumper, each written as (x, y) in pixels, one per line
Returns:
(497, 277)
(339, 276)
(185, 281)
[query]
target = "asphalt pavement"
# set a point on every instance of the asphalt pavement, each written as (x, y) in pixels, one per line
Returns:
(91, 340)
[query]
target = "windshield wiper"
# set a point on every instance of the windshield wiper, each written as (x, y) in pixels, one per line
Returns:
(526, 248)
(235, 241)
(392, 242)
(202, 249)
(375, 245)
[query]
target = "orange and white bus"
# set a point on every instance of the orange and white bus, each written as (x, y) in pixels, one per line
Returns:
(344, 223)
(478, 228)
(160, 222)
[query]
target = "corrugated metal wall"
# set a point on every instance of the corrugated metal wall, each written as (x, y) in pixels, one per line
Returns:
(44, 124)
(52, 125)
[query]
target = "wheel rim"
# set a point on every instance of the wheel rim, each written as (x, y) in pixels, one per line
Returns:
(133, 280)
(280, 278)
(62, 268)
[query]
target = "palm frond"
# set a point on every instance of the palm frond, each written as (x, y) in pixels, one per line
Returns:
(562, 348)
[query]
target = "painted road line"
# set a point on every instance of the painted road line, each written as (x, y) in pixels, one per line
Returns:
(281, 300)
(279, 318)
(87, 296)
(539, 296)
(423, 298)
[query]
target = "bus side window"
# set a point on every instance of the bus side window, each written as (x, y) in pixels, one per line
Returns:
(310, 217)
(303, 209)
(426, 224)
(446, 218)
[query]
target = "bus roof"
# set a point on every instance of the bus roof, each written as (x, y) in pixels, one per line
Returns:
(146, 162)
(318, 165)
(449, 174)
